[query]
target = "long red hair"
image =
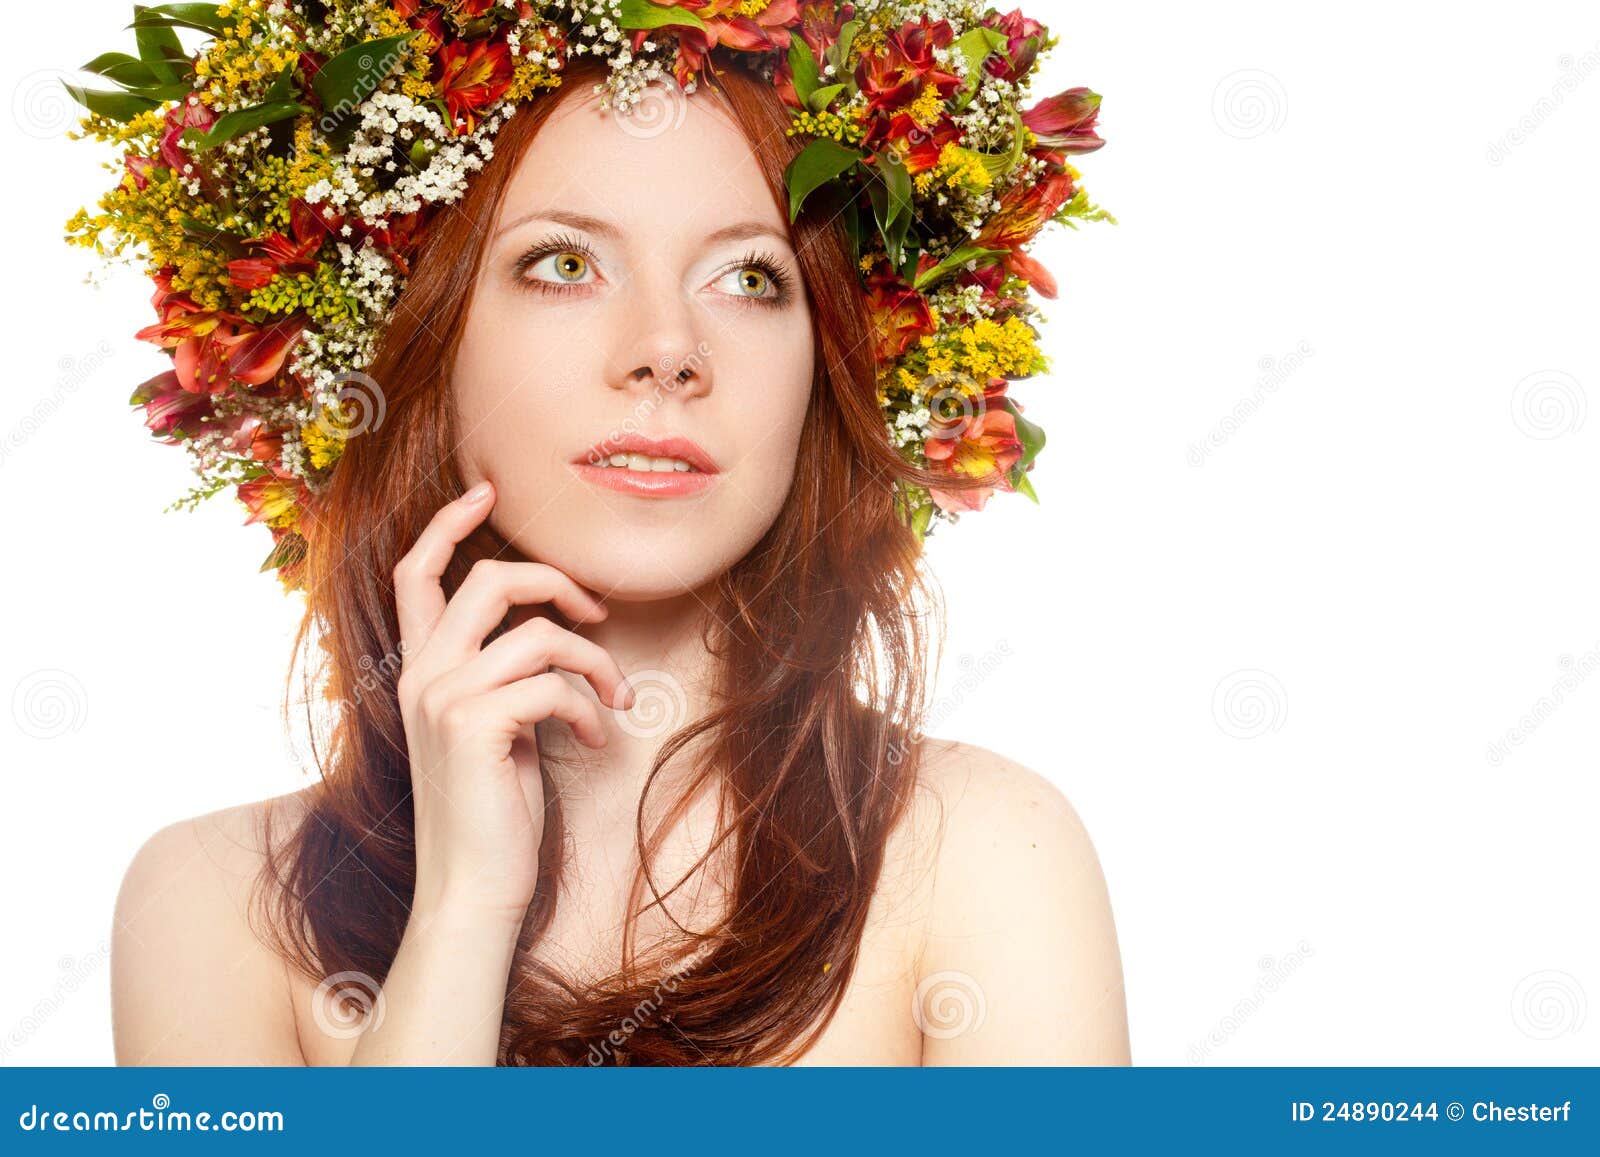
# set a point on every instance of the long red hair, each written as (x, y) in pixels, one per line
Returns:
(820, 636)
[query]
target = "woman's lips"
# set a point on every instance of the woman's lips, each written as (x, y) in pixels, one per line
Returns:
(646, 483)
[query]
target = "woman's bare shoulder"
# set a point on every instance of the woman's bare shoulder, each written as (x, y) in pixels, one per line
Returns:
(194, 981)
(1018, 931)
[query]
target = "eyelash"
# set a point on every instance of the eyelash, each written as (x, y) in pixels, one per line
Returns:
(767, 263)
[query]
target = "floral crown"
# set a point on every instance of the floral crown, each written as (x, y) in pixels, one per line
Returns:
(276, 184)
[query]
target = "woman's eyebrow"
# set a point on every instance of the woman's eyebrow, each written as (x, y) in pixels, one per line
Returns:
(738, 231)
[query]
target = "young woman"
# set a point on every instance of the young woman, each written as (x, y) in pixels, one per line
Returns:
(624, 633)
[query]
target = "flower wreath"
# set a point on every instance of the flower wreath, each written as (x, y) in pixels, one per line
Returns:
(275, 185)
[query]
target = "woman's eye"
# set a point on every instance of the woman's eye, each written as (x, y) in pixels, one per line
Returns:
(566, 268)
(750, 281)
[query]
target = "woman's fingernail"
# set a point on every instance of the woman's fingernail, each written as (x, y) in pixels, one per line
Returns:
(478, 493)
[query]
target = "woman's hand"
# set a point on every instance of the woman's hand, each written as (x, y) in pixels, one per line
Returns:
(480, 810)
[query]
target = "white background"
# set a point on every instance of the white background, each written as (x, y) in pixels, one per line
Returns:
(1263, 630)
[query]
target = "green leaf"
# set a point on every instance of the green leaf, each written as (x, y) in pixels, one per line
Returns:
(839, 51)
(118, 106)
(920, 517)
(957, 259)
(350, 77)
(820, 99)
(288, 549)
(891, 205)
(803, 68)
(975, 47)
(282, 87)
(1030, 434)
(818, 163)
(643, 14)
(1022, 486)
(159, 47)
(200, 17)
(231, 124)
(999, 165)
(120, 68)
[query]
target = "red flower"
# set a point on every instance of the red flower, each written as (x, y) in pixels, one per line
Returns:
(188, 114)
(766, 31)
(896, 76)
(280, 254)
(906, 90)
(981, 441)
(211, 348)
(1024, 38)
(171, 412)
(1022, 213)
(473, 76)
(899, 314)
(1064, 123)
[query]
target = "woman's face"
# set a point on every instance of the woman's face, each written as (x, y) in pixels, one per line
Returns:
(636, 282)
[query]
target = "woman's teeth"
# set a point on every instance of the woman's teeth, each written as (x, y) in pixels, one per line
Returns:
(645, 462)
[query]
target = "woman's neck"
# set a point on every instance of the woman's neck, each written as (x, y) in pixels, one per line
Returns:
(660, 646)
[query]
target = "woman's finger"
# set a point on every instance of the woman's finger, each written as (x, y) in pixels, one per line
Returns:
(536, 645)
(419, 595)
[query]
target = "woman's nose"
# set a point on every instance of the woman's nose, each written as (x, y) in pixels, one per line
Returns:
(659, 338)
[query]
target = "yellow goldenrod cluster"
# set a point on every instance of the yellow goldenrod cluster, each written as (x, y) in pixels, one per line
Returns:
(239, 56)
(827, 124)
(958, 168)
(324, 447)
(528, 77)
(926, 108)
(982, 350)
(154, 218)
(320, 296)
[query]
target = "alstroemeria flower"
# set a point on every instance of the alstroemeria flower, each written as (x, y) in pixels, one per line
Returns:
(897, 74)
(472, 76)
(281, 254)
(728, 23)
(1024, 38)
(1064, 123)
(270, 499)
(171, 412)
(821, 22)
(187, 114)
(1022, 213)
(981, 442)
(899, 314)
(210, 348)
